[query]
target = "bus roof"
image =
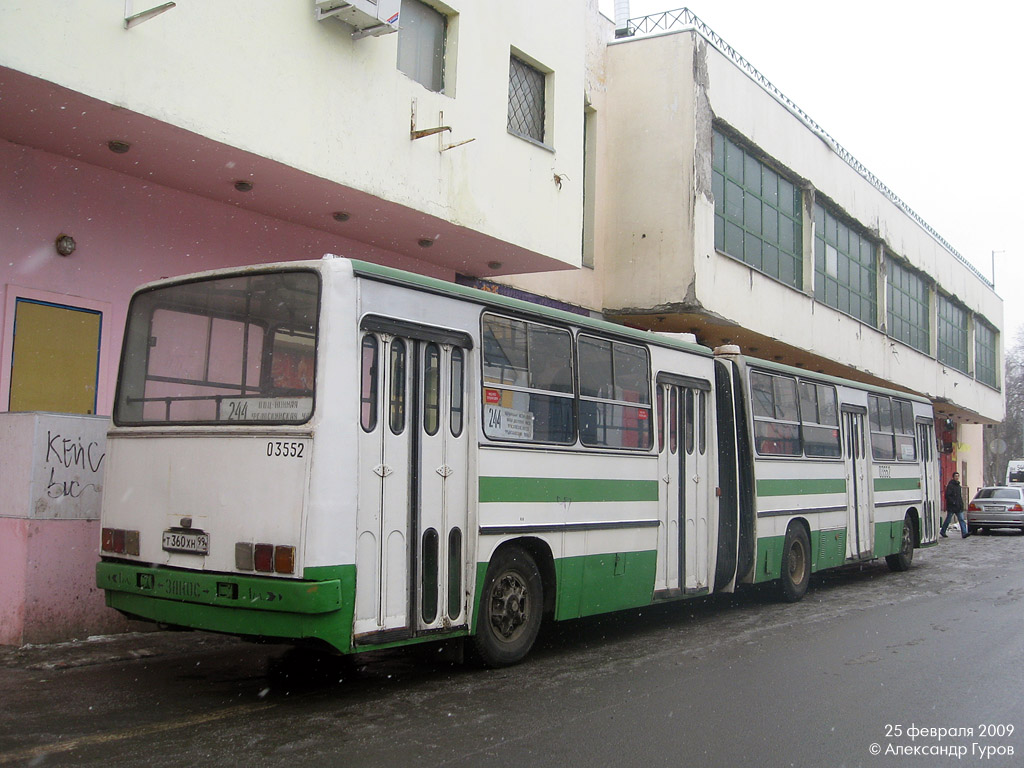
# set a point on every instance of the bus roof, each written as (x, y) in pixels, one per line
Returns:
(435, 285)
(804, 373)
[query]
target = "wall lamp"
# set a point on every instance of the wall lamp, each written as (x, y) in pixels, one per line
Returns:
(65, 245)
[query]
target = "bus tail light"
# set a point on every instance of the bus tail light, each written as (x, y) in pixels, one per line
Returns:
(284, 559)
(119, 541)
(264, 558)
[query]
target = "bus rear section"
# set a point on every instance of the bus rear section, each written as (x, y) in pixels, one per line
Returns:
(209, 461)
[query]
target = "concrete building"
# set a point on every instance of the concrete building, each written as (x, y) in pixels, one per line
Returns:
(722, 209)
(465, 141)
(136, 146)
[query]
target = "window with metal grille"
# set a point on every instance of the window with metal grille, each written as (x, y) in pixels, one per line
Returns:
(845, 271)
(907, 316)
(525, 100)
(985, 354)
(758, 217)
(421, 44)
(951, 339)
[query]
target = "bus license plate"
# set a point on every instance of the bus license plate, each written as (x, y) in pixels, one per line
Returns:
(193, 542)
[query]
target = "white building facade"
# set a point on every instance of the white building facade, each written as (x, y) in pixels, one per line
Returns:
(464, 140)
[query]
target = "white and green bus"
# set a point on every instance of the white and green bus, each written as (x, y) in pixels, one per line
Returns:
(347, 454)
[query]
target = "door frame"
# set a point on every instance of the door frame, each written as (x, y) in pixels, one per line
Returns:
(411, 478)
(859, 497)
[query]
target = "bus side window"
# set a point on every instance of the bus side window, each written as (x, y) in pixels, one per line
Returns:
(673, 420)
(396, 399)
(689, 426)
(368, 387)
(661, 419)
(458, 375)
(702, 414)
(431, 389)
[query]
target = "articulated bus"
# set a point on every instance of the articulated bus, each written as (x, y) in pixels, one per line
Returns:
(347, 454)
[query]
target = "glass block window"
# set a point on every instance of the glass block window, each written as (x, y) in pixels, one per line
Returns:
(758, 216)
(985, 354)
(525, 100)
(845, 270)
(951, 341)
(907, 316)
(421, 43)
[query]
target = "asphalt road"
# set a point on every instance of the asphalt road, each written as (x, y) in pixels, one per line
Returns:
(868, 661)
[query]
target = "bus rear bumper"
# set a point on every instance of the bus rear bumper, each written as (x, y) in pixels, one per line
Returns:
(247, 606)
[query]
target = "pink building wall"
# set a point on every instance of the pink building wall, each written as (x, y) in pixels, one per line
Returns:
(48, 582)
(128, 232)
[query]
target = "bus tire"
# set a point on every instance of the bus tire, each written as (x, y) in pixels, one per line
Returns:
(796, 564)
(902, 559)
(511, 608)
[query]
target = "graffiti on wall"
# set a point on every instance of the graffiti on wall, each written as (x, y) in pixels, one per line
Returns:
(67, 472)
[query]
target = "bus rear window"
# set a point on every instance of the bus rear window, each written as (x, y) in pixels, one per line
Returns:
(238, 349)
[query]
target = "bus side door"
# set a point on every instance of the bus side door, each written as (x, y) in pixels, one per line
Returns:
(860, 508)
(683, 468)
(413, 483)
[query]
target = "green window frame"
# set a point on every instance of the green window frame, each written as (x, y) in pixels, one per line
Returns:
(845, 268)
(985, 354)
(908, 310)
(951, 333)
(758, 213)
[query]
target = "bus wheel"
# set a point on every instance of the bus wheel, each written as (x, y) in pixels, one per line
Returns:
(796, 563)
(902, 559)
(511, 605)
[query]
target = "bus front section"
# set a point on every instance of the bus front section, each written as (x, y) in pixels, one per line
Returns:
(209, 459)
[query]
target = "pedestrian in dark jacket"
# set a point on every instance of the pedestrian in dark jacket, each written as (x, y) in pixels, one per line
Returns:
(954, 506)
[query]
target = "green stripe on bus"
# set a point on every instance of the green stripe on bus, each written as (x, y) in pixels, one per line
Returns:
(804, 486)
(558, 489)
(897, 483)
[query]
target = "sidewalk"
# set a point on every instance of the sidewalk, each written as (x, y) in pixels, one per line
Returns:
(103, 649)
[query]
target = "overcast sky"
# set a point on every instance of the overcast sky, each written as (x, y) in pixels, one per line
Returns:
(926, 94)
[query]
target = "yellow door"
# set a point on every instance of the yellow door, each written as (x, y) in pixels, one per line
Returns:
(56, 358)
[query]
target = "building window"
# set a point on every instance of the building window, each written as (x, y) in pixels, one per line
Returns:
(421, 44)
(985, 354)
(526, 113)
(845, 271)
(907, 317)
(758, 216)
(951, 341)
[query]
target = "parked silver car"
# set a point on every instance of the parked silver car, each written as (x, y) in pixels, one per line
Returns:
(996, 507)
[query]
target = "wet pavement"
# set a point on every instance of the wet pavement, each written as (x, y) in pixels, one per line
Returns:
(715, 681)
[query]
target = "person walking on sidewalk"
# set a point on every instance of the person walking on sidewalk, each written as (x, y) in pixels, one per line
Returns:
(954, 506)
